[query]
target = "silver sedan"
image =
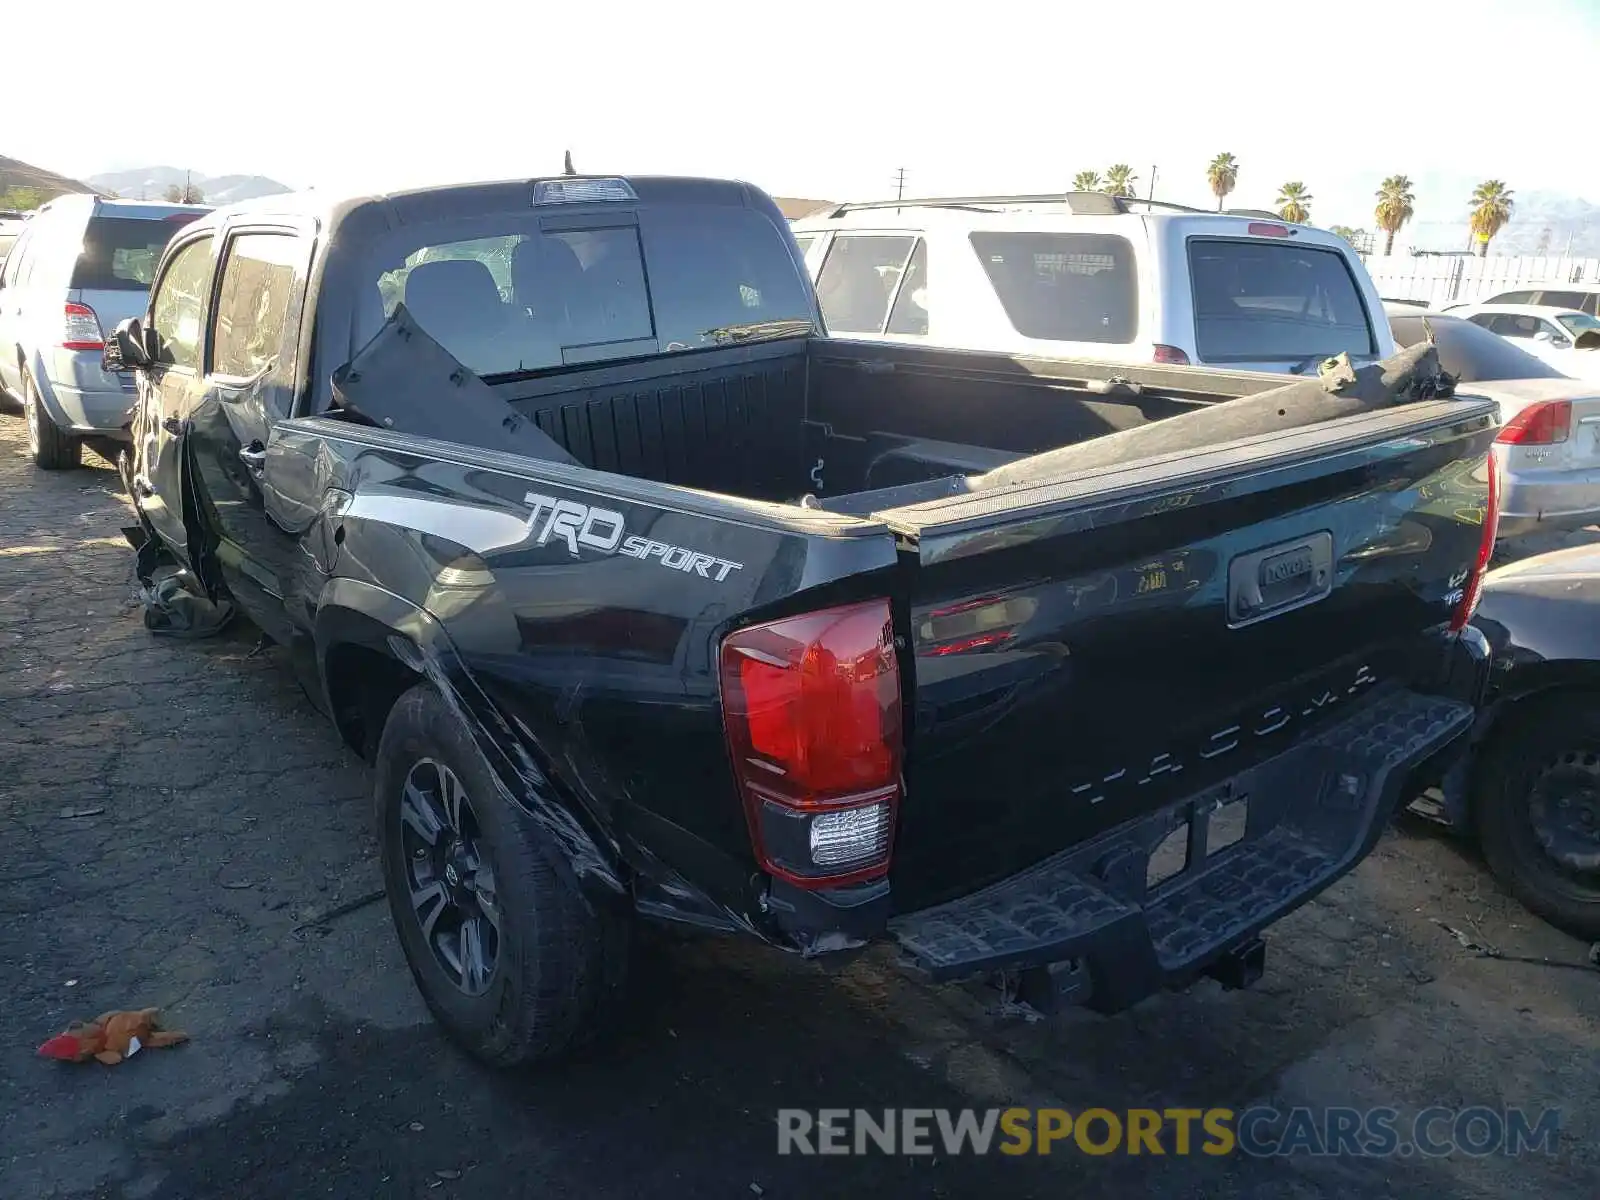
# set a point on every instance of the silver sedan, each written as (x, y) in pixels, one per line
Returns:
(1549, 442)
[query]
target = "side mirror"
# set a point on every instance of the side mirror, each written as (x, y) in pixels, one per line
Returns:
(1545, 336)
(125, 348)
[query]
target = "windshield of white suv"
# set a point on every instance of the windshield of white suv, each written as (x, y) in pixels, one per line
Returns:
(1274, 301)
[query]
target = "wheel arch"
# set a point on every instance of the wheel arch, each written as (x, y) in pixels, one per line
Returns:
(373, 645)
(33, 368)
(1538, 687)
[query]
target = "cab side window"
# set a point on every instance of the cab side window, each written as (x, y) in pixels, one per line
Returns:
(177, 310)
(253, 303)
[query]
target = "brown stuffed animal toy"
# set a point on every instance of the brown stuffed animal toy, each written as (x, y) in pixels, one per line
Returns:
(111, 1037)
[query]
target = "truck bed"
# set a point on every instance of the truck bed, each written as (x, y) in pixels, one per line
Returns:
(781, 420)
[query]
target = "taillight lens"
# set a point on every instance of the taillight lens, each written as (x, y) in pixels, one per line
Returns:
(1172, 355)
(812, 710)
(81, 329)
(1544, 424)
(1263, 229)
(1472, 590)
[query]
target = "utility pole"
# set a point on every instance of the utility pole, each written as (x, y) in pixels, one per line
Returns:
(900, 184)
(186, 192)
(1152, 194)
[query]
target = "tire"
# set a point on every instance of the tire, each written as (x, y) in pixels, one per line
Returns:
(48, 446)
(549, 966)
(1537, 797)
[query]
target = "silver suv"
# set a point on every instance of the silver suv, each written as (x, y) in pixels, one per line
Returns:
(80, 265)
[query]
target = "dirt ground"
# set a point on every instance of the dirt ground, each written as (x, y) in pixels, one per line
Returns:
(179, 828)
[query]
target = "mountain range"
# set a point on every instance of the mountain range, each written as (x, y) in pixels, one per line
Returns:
(151, 183)
(17, 174)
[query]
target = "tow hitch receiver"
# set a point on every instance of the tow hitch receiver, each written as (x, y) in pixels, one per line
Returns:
(1241, 966)
(1054, 987)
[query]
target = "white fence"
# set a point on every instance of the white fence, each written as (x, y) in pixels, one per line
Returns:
(1447, 279)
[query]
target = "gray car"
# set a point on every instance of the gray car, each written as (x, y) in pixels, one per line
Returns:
(80, 265)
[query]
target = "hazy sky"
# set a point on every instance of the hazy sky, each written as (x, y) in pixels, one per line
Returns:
(822, 100)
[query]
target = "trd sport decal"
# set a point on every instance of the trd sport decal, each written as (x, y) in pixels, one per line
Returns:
(603, 529)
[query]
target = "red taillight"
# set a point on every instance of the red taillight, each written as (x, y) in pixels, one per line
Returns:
(1172, 355)
(1472, 590)
(81, 329)
(1542, 424)
(1262, 229)
(811, 705)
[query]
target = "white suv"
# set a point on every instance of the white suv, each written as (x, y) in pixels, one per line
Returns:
(1086, 275)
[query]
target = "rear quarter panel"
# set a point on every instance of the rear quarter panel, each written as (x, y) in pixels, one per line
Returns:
(587, 645)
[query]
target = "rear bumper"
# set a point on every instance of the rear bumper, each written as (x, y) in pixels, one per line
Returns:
(1309, 816)
(1549, 500)
(84, 399)
(93, 412)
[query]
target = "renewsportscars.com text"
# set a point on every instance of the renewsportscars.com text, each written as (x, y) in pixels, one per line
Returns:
(1261, 1132)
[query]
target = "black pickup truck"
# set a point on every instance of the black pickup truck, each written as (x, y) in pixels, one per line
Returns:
(649, 601)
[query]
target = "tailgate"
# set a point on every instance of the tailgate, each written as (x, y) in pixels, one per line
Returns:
(1087, 651)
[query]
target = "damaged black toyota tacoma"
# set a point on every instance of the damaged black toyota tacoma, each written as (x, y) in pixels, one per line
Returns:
(647, 600)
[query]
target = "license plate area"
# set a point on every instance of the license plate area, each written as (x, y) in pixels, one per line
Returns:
(1279, 578)
(1204, 828)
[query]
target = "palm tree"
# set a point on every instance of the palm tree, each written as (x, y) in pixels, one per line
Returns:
(1294, 203)
(1222, 175)
(1491, 208)
(1086, 181)
(1395, 199)
(1120, 180)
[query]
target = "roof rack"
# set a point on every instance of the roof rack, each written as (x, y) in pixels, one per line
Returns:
(1082, 204)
